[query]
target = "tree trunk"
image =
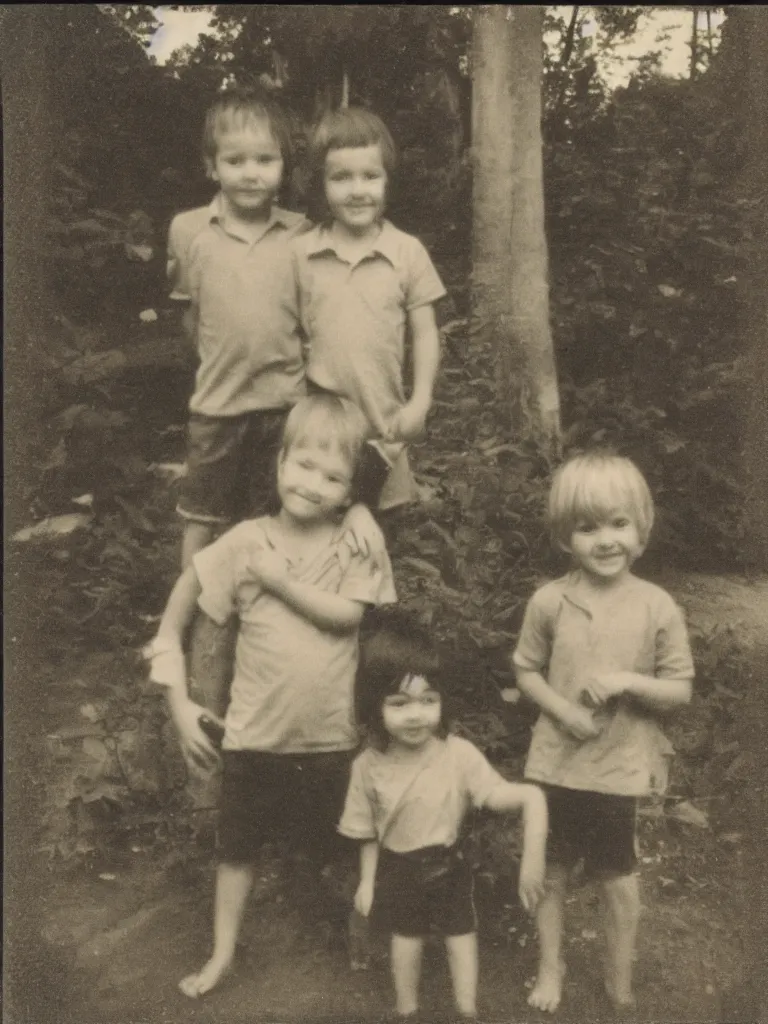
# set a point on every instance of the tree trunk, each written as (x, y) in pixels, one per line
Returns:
(694, 41)
(509, 277)
(755, 188)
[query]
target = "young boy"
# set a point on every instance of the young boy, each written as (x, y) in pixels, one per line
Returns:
(604, 654)
(299, 595)
(230, 263)
(364, 288)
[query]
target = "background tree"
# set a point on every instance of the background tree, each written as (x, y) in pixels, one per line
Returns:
(509, 252)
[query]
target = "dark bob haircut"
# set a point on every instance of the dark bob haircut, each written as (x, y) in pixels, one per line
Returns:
(399, 647)
(348, 128)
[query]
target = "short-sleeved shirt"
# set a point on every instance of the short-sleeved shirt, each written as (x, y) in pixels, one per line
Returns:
(407, 804)
(244, 292)
(293, 685)
(355, 318)
(569, 638)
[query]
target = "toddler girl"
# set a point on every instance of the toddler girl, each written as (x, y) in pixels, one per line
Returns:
(409, 794)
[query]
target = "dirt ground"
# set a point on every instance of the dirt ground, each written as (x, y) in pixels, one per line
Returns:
(120, 935)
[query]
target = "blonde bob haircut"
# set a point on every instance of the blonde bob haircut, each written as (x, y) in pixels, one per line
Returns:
(590, 487)
(326, 421)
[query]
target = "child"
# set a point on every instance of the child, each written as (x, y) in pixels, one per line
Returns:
(230, 262)
(299, 595)
(409, 794)
(603, 654)
(362, 285)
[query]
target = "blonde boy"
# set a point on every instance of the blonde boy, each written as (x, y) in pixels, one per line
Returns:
(603, 654)
(299, 595)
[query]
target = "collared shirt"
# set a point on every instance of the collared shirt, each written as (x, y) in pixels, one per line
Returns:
(355, 319)
(292, 691)
(243, 290)
(411, 803)
(568, 638)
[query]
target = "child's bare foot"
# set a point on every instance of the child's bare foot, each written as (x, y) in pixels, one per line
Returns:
(548, 989)
(195, 985)
(623, 1004)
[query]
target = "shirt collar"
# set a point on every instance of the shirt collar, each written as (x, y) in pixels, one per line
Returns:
(216, 215)
(578, 594)
(386, 244)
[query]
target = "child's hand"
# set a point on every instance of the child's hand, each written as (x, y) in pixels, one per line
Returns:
(531, 882)
(194, 742)
(408, 423)
(602, 687)
(363, 536)
(364, 898)
(580, 722)
(269, 568)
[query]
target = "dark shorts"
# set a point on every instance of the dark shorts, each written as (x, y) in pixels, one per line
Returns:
(598, 827)
(296, 797)
(231, 466)
(404, 904)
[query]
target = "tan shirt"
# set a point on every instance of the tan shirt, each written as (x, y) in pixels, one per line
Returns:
(355, 319)
(244, 293)
(568, 638)
(292, 691)
(407, 804)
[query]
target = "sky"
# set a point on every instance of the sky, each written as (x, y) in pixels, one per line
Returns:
(182, 27)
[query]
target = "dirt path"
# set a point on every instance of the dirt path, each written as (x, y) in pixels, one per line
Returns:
(128, 930)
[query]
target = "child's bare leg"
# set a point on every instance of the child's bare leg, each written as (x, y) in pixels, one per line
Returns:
(462, 961)
(621, 908)
(548, 988)
(233, 884)
(405, 957)
(196, 537)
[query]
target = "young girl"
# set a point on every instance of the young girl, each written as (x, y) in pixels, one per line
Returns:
(364, 285)
(408, 796)
(603, 654)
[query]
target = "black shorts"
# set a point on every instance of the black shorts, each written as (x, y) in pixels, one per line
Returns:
(404, 904)
(297, 797)
(231, 466)
(598, 827)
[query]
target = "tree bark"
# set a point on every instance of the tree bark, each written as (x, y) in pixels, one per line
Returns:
(509, 278)
(755, 188)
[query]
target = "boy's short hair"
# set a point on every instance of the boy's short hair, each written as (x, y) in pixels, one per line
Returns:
(590, 486)
(327, 420)
(348, 128)
(236, 107)
(399, 647)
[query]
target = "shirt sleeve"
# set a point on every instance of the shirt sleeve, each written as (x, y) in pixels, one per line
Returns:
(479, 777)
(535, 641)
(362, 581)
(423, 286)
(216, 566)
(357, 820)
(673, 649)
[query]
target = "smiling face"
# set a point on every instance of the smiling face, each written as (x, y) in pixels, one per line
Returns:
(606, 548)
(355, 188)
(411, 716)
(248, 165)
(313, 481)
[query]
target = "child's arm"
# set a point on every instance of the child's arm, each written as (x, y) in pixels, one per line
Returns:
(408, 424)
(169, 669)
(325, 610)
(654, 693)
(369, 860)
(578, 720)
(511, 796)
